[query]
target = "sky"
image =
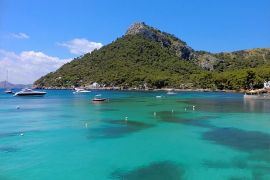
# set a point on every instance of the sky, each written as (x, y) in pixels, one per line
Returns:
(39, 36)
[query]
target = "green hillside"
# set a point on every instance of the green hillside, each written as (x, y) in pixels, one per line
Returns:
(145, 56)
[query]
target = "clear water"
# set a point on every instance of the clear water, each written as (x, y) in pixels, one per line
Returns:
(134, 136)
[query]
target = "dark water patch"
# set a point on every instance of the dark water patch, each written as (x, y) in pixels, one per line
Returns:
(18, 133)
(118, 128)
(239, 139)
(9, 134)
(8, 149)
(258, 170)
(215, 104)
(260, 175)
(230, 105)
(168, 116)
(129, 123)
(235, 163)
(173, 117)
(165, 170)
(199, 122)
(263, 156)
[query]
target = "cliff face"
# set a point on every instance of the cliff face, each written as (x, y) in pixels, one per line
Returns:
(164, 39)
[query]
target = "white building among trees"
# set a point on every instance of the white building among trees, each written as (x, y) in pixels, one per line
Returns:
(267, 85)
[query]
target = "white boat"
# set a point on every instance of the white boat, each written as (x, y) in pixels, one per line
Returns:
(8, 91)
(80, 90)
(29, 92)
(98, 98)
(171, 93)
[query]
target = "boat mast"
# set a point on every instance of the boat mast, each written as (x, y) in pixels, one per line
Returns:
(6, 80)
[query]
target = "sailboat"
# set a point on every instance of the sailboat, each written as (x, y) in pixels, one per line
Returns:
(7, 91)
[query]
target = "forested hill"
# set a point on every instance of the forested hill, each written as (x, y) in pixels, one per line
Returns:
(146, 56)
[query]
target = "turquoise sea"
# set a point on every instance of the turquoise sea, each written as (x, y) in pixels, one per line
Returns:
(134, 135)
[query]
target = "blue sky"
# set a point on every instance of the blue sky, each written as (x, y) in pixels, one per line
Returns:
(61, 30)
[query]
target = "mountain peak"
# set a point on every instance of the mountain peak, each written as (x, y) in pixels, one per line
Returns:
(164, 39)
(137, 28)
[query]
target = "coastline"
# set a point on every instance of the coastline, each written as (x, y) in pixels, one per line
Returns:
(149, 89)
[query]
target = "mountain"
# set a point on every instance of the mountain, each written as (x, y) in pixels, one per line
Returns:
(6, 84)
(146, 56)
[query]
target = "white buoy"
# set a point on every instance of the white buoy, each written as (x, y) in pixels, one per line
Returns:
(155, 113)
(126, 118)
(172, 110)
(185, 109)
(21, 134)
(86, 125)
(193, 107)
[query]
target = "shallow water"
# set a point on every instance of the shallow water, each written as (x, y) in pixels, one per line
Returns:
(134, 136)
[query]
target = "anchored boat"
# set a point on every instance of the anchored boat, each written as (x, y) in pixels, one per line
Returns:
(80, 90)
(29, 92)
(98, 98)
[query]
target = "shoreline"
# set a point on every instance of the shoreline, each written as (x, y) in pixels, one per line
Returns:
(152, 89)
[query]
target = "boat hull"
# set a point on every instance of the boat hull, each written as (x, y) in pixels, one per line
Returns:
(9, 92)
(31, 94)
(99, 99)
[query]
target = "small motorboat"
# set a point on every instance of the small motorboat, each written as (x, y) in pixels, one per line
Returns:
(80, 90)
(29, 92)
(8, 91)
(98, 98)
(158, 96)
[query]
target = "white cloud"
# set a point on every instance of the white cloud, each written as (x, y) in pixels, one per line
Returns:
(27, 66)
(80, 46)
(20, 35)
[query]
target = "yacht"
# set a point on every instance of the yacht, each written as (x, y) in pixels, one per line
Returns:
(29, 92)
(80, 90)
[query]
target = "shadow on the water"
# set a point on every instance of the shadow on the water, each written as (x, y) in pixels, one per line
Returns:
(117, 128)
(228, 105)
(260, 156)
(259, 170)
(238, 139)
(8, 149)
(165, 170)
(174, 117)
(235, 163)
(9, 134)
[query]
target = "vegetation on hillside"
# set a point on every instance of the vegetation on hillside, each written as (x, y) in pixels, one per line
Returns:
(156, 59)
